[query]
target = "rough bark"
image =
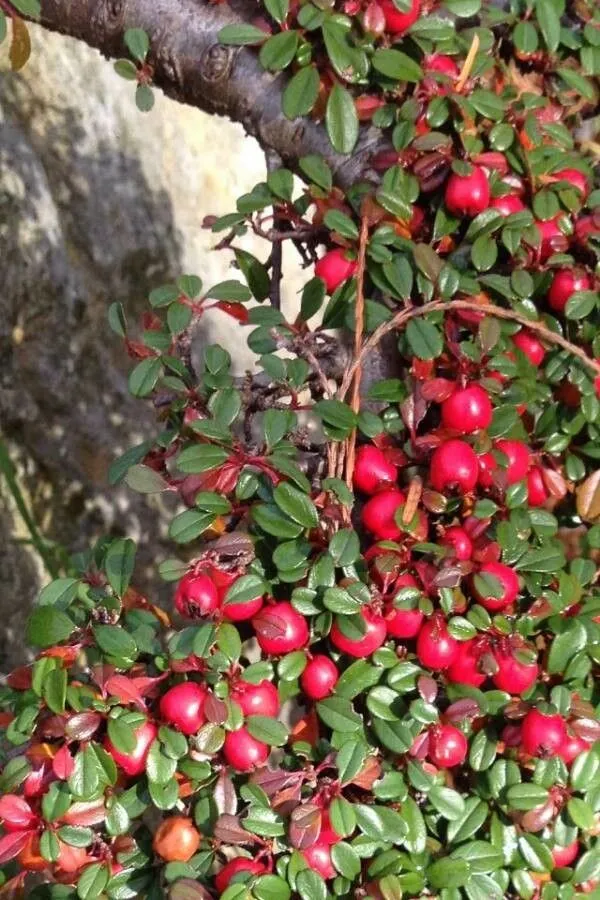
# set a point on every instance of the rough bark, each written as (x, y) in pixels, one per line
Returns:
(191, 66)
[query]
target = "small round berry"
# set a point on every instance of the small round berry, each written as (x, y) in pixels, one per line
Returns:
(467, 195)
(454, 465)
(468, 409)
(280, 629)
(542, 735)
(233, 867)
(436, 648)
(508, 204)
(565, 283)
(466, 667)
(335, 267)
(530, 346)
(375, 633)
(576, 179)
(183, 707)
(372, 469)
(319, 678)
(243, 752)
(537, 494)
(196, 596)
(508, 586)
(260, 699)
(458, 542)
(448, 746)
(397, 22)
(378, 514)
(517, 454)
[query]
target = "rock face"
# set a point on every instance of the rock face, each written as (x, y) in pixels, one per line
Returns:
(98, 202)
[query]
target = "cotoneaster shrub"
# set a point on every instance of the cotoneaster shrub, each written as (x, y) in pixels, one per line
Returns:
(378, 677)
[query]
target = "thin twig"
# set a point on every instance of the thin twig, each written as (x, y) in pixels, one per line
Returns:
(405, 315)
(359, 324)
(468, 64)
(273, 163)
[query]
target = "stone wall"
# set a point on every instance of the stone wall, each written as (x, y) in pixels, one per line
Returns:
(98, 202)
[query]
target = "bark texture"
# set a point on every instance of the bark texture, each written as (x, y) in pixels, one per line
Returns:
(191, 66)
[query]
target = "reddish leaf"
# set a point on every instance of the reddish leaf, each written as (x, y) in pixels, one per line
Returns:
(224, 794)
(82, 726)
(16, 813)
(124, 689)
(229, 830)
(90, 813)
(20, 678)
(235, 310)
(12, 844)
(305, 825)
(63, 763)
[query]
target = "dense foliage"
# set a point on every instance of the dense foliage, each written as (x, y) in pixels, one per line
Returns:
(378, 678)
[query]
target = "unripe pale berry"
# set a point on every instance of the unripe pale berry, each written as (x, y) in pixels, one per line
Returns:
(454, 465)
(468, 409)
(319, 677)
(372, 470)
(468, 195)
(334, 268)
(565, 283)
(183, 707)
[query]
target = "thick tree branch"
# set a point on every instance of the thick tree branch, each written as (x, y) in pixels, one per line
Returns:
(191, 66)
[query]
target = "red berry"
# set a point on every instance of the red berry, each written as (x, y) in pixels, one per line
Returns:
(458, 542)
(243, 752)
(260, 699)
(576, 179)
(565, 283)
(319, 677)
(234, 612)
(280, 629)
(468, 195)
(183, 707)
(233, 867)
(403, 623)
(528, 344)
(335, 267)
(439, 62)
(586, 226)
(327, 835)
(372, 470)
(536, 489)
(436, 648)
(487, 465)
(564, 856)
(465, 668)
(517, 454)
(513, 676)
(571, 747)
(378, 514)
(542, 735)
(448, 746)
(508, 205)
(468, 409)
(318, 857)
(454, 465)
(134, 762)
(196, 596)
(374, 636)
(397, 22)
(552, 239)
(509, 585)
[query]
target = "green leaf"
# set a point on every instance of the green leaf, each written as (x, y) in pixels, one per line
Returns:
(339, 714)
(425, 339)
(310, 885)
(59, 593)
(278, 51)
(296, 504)
(115, 642)
(549, 22)
(244, 589)
(144, 97)
(189, 525)
(201, 458)
(119, 564)
(268, 730)
(47, 626)
(143, 378)
(240, 35)
(581, 304)
(344, 547)
(255, 274)
(301, 92)
(447, 802)
(273, 521)
(396, 65)
(380, 823)
(145, 480)
(137, 43)
(92, 881)
(346, 860)
(350, 759)
(341, 120)
(448, 873)
(54, 690)
(316, 170)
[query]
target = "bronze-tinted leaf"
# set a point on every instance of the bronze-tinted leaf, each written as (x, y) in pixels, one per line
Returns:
(305, 825)
(20, 46)
(588, 498)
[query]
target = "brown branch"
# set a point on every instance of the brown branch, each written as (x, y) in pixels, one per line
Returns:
(191, 66)
(405, 315)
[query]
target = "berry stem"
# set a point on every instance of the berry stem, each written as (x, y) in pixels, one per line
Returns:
(405, 315)
(468, 64)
